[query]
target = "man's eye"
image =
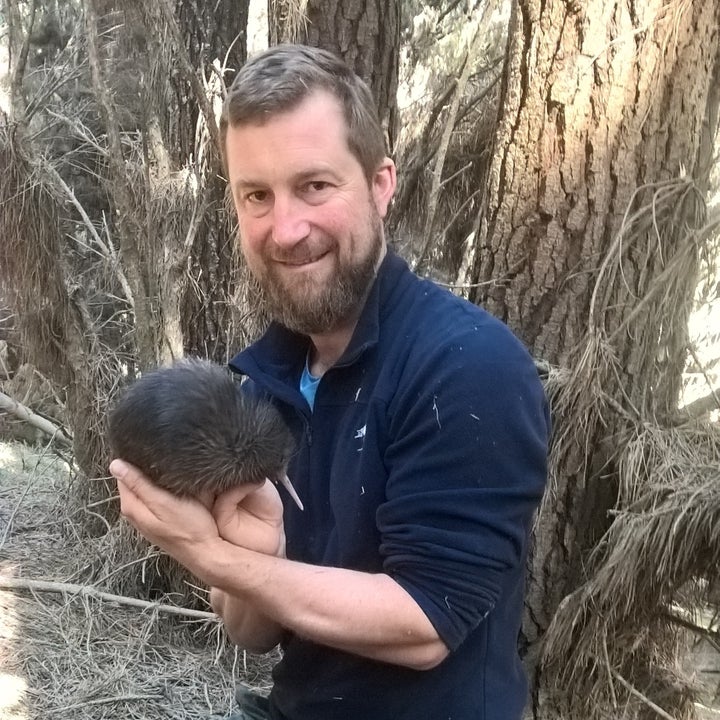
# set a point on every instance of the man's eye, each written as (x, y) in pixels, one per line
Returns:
(257, 196)
(318, 186)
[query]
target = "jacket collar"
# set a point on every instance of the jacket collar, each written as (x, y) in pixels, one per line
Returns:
(279, 355)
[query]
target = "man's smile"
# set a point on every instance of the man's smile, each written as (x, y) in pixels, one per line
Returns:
(304, 261)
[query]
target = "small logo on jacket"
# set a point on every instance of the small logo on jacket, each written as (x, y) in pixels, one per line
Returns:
(360, 435)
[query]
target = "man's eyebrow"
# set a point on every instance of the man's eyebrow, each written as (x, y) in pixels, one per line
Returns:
(314, 172)
(244, 183)
(299, 177)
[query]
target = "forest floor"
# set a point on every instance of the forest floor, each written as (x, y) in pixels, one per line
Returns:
(78, 657)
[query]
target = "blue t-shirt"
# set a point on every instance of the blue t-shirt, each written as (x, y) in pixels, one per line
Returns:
(308, 385)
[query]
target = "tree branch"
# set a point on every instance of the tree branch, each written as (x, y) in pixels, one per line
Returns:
(136, 255)
(107, 700)
(107, 249)
(708, 380)
(656, 708)
(442, 151)
(709, 634)
(7, 583)
(27, 415)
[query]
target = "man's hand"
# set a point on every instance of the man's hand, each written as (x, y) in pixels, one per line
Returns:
(251, 516)
(183, 527)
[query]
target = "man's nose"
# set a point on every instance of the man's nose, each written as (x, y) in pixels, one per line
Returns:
(290, 223)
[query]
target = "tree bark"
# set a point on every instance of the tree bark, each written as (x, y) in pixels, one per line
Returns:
(206, 274)
(138, 257)
(182, 51)
(586, 236)
(365, 33)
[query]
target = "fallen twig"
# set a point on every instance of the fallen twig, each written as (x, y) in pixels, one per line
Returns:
(710, 634)
(90, 591)
(104, 701)
(25, 413)
(640, 696)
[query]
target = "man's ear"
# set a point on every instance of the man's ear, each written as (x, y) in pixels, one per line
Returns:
(383, 187)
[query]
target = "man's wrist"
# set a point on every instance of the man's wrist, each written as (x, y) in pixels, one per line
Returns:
(206, 561)
(232, 568)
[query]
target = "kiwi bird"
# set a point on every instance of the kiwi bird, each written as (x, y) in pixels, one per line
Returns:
(192, 430)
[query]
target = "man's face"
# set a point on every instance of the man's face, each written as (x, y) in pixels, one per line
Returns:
(310, 223)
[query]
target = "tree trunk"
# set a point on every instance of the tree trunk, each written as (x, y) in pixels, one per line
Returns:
(188, 243)
(216, 33)
(365, 33)
(585, 243)
(58, 336)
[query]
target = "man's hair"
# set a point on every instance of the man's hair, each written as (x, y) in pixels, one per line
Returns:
(279, 79)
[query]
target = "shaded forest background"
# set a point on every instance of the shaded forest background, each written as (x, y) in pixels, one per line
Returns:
(556, 165)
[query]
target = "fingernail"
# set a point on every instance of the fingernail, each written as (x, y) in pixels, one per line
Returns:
(118, 469)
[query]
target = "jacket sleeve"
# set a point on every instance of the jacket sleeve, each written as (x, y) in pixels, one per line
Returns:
(467, 469)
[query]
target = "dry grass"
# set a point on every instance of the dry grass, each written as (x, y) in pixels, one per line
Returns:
(83, 658)
(618, 631)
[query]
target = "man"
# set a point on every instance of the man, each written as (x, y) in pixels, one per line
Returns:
(422, 427)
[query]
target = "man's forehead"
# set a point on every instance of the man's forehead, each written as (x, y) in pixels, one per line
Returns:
(311, 139)
(313, 97)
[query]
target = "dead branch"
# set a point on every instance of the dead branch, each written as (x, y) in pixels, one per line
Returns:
(130, 234)
(633, 691)
(27, 415)
(79, 129)
(7, 583)
(450, 8)
(106, 249)
(704, 371)
(107, 701)
(472, 51)
(11, 519)
(709, 634)
(423, 153)
(442, 153)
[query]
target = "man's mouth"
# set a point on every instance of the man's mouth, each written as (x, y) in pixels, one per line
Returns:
(302, 261)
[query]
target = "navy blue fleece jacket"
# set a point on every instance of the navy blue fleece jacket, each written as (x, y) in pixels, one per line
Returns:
(424, 458)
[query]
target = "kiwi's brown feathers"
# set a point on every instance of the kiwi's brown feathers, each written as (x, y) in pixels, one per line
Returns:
(191, 429)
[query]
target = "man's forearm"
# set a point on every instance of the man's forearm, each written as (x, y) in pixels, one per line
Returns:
(361, 613)
(245, 626)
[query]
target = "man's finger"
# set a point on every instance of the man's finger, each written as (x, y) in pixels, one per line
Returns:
(118, 469)
(228, 501)
(133, 486)
(130, 477)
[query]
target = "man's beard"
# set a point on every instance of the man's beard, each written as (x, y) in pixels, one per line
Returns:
(304, 308)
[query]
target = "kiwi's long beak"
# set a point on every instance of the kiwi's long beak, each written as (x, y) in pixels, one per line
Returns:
(284, 480)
